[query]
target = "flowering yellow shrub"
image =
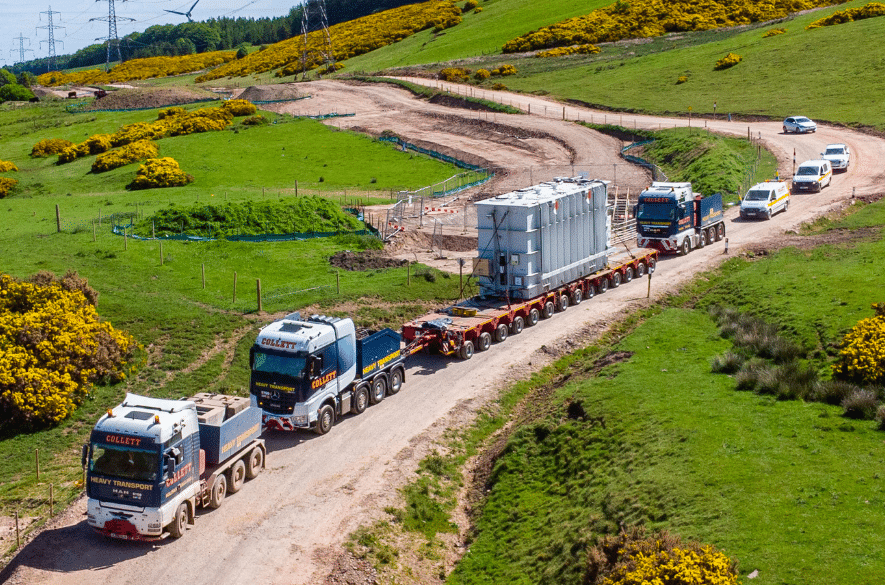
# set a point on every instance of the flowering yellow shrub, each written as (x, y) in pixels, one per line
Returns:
(682, 79)
(6, 185)
(50, 146)
(729, 60)
(171, 112)
(774, 32)
(349, 39)
(239, 107)
(72, 153)
(469, 5)
(862, 354)
(654, 18)
(477, 10)
(54, 347)
(159, 172)
(147, 68)
(454, 74)
(6, 166)
(871, 10)
(136, 151)
(504, 70)
(481, 74)
(562, 51)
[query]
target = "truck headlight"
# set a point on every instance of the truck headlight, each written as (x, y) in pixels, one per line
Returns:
(299, 420)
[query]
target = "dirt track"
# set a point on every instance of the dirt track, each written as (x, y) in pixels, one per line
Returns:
(287, 526)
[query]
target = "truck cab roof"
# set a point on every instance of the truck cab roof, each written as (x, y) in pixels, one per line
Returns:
(291, 334)
(155, 418)
(681, 192)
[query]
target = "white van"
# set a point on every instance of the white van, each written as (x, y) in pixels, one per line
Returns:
(813, 175)
(765, 199)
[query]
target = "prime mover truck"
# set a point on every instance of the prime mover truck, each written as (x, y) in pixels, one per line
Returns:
(541, 249)
(306, 373)
(673, 220)
(151, 462)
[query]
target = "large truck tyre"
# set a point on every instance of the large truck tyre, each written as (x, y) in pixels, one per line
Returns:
(466, 351)
(501, 332)
(534, 317)
(720, 231)
(616, 280)
(254, 463)
(179, 523)
(549, 309)
(396, 381)
(379, 389)
(325, 420)
(685, 249)
(360, 400)
(237, 477)
(219, 490)
(517, 326)
(484, 342)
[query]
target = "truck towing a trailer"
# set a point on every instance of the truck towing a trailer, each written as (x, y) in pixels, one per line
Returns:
(673, 220)
(306, 373)
(541, 249)
(151, 462)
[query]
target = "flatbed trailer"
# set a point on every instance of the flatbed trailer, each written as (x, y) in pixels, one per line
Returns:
(473, 325)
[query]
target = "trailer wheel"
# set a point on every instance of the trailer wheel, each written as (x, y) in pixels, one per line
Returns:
(219, 490)
(534, 317)
(501, 332)
(603, 285)
(517, 326)
(628, 274)
(379, 389)
(652, 264)
(485, 341)
(720, 231)
(179, 523)
(549, 309)
(325, 420)
(396, 381)
(466, 350)
(591, 291)
(577, 296)
(360, 400)
(616, 280)
(237, 477)
(640, 270)
(254, 462)
(686, 246)
(563, 302)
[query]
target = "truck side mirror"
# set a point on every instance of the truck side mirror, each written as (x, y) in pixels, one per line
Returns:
(84, 455)
(169, 466)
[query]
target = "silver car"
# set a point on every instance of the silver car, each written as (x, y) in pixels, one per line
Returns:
(799, 124)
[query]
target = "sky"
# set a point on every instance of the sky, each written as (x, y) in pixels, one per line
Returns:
(19, 21)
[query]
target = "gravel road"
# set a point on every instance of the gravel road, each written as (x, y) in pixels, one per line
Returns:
(287, 526)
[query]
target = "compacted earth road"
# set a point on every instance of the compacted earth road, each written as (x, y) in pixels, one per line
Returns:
(287, 526)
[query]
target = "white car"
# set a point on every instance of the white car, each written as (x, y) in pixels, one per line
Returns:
(799, 124)
(838, 155)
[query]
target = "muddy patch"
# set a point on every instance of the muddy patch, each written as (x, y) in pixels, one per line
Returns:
(366, 260)
(126, 99)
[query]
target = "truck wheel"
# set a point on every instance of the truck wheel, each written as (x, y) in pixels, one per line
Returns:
(686, 247)
(254, 462)
(652, 264)
(237, 477)
(485, 341)
(549, 309)
(534, 317)
(603, 285)
(179, 523)
(466, 350)
(628, 274)
(591, 291)
(577, 297)
(616, 280)
(219, 490)
(517, 326)
(396, 381)
(640, 270)
(325, 420)
(720, 231)
(379, 389)
(563, 302)
(701, 240)
(360, 400)
(501, 332)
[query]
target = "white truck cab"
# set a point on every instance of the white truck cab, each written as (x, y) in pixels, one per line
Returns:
(813, 175)
(765, 199)
(838, 155)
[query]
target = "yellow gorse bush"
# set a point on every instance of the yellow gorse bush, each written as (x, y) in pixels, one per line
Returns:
(50, 146)
(6, 166)
(136, 151)
(862, 354)
(54, 347)
(871, 10)
(454, 74)
(159, 172)
(349, 39)
(654, 18)
(147, 68)
(774, 32)
(562, 51)
(729, 60)
(6, 186)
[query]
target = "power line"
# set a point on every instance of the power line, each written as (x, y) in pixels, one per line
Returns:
(113, 40)
(50, 64)
(21, 47)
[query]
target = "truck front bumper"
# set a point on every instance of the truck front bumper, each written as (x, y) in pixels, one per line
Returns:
(125, 522)
(669, 246)
(281, 422)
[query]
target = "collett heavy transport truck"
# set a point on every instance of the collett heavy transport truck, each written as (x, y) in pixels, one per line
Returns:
(151, 462)
(672, 219)
(308, 372)
(541, 249)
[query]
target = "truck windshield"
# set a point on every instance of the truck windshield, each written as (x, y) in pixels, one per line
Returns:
(123, 462)
(292, 365)
(656, 211)
(756, 195)
(808, 171)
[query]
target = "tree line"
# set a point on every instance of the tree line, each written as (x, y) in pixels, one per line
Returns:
(211, 35)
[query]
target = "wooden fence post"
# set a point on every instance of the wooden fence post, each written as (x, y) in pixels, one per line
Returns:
(50, 500)
(203, 273)
(57, 219)
(408, 273)
(235, 287)
(338, 280)
(258, 290)
(125, 240)
(37, 462)
(161, 252)
(93, 230)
